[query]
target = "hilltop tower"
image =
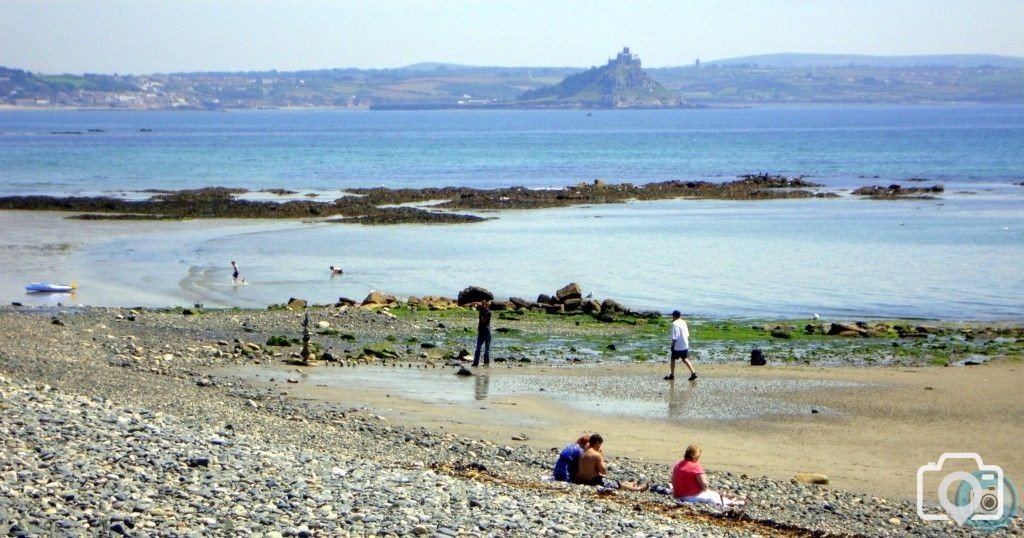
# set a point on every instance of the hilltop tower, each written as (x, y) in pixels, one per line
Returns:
(622, 83)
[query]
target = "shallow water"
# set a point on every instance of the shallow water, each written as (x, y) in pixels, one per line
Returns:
(956, 259)
(624, 395)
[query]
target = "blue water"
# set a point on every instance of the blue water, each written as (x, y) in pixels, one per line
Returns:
(959, 257)
(318, 150)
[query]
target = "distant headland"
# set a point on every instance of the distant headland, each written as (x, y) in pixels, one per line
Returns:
(621, 83)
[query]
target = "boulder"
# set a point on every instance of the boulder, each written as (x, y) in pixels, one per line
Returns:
(845, 329)
(611, 305)
(499, 306)
(434, 302)
(811, 478)
(474, 294)
(295, 304)
(345, 301)
(814, 328)
(570, 291)
(376, 298)
(573, 305)
(591, 307)
(543, 299)
(553, 308)
(519, 303)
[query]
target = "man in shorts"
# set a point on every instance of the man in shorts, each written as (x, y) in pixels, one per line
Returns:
(680, 346)
(593, 471)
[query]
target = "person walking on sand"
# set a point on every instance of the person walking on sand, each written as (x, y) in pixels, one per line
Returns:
(234, 273)
(594, 472)
(483, 333)
(690, 485)
(680, 346)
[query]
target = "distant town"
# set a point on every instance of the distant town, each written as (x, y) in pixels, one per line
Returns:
(621, 83)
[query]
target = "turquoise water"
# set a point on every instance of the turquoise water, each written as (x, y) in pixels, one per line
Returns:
(317, 150)
(955, 258)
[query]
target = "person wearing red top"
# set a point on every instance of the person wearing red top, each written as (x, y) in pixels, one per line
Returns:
(689, 484)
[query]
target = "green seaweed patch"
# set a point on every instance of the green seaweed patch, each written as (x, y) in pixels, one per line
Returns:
(641, 356)
(381, 350)
(281, 341)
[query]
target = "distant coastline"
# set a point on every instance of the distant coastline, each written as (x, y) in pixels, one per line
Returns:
(752, 81)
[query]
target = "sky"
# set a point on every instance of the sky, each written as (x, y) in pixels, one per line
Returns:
(150, 36)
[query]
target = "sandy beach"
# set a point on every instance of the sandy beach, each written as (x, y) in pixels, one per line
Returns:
(869, 436)
(219, 425)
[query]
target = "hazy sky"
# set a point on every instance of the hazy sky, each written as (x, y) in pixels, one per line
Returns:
(145, 36)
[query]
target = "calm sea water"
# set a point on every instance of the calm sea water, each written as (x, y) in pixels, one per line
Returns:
(318, 150)
(955, 258)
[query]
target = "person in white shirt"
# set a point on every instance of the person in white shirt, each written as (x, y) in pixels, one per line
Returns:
(680, 346)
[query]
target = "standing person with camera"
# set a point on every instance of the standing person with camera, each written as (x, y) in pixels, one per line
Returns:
(680, 346)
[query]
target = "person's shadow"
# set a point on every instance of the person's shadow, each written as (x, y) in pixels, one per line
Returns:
(481, 386)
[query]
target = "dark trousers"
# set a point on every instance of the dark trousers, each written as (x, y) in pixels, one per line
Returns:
(483, 338)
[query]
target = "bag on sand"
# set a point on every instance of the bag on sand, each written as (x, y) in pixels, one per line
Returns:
(757, 358)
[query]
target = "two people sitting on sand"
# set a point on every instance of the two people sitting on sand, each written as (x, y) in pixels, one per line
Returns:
(568, 464)
(591, 469)
(690, 484)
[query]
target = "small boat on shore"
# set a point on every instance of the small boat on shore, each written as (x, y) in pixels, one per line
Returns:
(46, 287)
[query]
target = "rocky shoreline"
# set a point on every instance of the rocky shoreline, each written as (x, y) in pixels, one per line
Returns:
(408, 206)
(112, 426)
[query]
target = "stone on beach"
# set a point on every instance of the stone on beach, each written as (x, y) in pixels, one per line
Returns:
(811, 478)
(474, 294)
(569, 292)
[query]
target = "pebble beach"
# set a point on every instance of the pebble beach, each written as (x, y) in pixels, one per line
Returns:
(113, 425)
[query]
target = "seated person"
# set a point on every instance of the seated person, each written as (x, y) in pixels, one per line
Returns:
(593, 471)
(689, 484)
(568, 463)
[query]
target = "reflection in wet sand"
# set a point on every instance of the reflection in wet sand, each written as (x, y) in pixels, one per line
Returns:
(629, 395)
(482, 383)
(679, 398)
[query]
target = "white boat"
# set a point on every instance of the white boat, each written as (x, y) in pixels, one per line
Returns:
(43, 287)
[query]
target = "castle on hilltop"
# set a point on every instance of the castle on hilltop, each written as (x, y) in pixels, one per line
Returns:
(625, 59)
(622, 83)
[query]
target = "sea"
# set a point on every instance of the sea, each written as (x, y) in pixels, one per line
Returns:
(957, 257)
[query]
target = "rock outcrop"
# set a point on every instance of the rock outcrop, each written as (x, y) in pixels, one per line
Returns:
(474, 294)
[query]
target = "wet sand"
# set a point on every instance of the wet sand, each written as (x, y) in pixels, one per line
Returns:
(873, 428)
